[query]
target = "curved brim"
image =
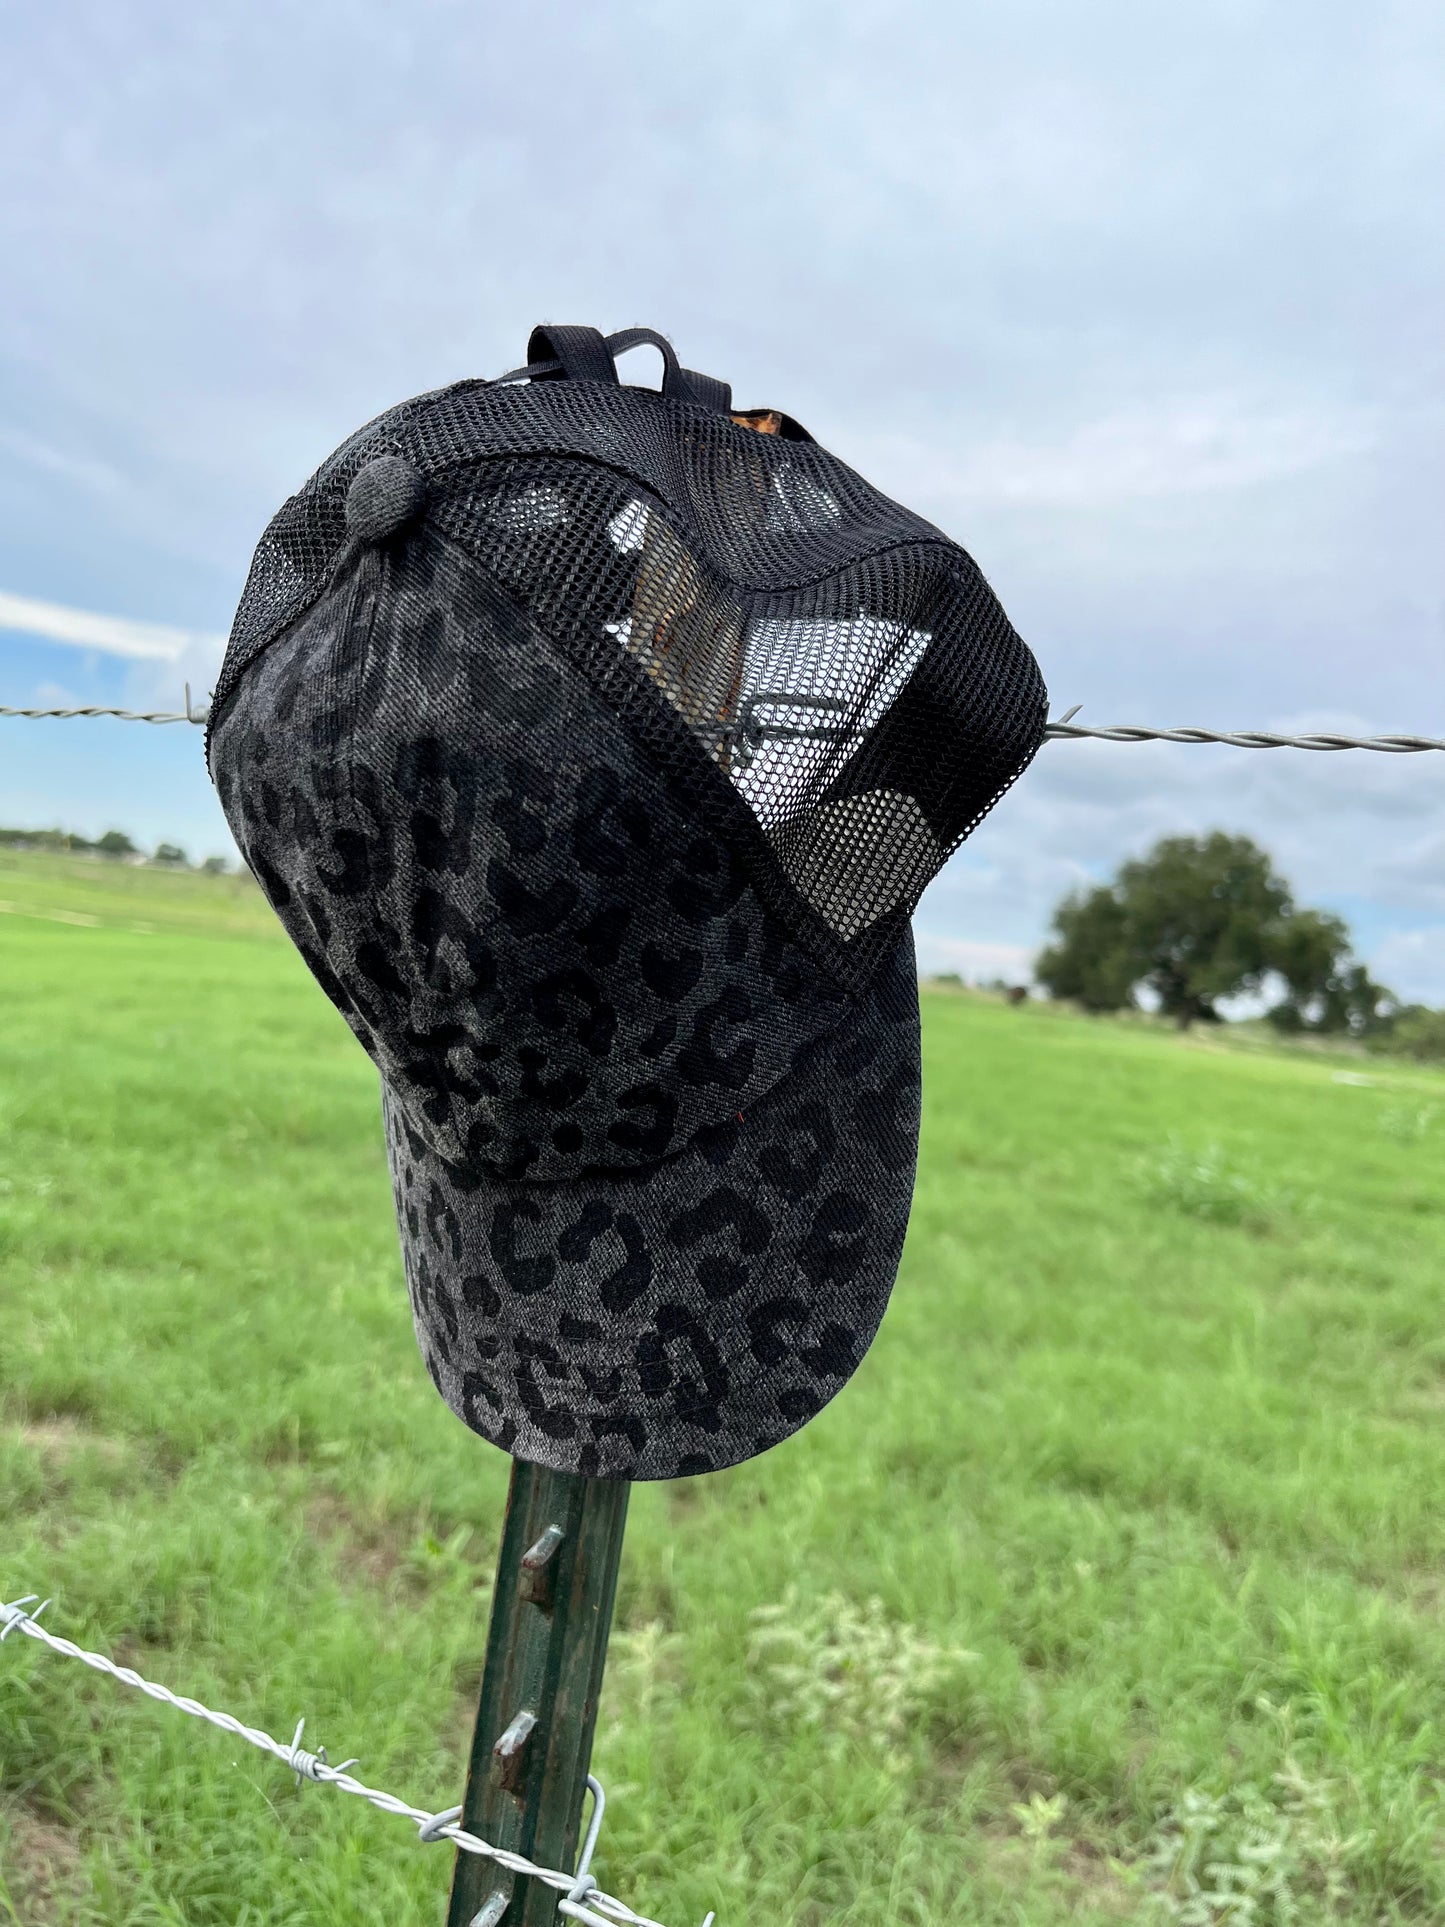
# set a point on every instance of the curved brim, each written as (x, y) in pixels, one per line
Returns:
(677, 1320)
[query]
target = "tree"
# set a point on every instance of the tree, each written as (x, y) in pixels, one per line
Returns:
(1352, 1001)
(116, 843)
(1309, 950)
(172, 854)
(1415, 1031)
(1201, 919)
(1092, 961)
(1324, 989)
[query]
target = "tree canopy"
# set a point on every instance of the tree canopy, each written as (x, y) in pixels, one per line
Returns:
(1201, 919)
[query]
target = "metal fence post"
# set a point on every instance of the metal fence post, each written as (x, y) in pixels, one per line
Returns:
(546, 1648)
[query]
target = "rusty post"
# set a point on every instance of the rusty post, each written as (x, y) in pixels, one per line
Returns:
(546, 1648)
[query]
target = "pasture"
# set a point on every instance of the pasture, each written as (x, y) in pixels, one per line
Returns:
(1114, 1580)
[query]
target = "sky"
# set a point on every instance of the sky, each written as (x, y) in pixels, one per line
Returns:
(1143, 305)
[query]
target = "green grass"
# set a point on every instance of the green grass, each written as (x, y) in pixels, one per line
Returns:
(1118, 1569)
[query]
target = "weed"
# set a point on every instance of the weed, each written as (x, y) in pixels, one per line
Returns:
(1408, 1123)
(1251, 1858)
(847, 1669)
(1208, 1186)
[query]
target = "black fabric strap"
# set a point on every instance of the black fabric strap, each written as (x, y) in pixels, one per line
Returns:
(586, 354)
(579, 354)
(708, 392)
(678, 383)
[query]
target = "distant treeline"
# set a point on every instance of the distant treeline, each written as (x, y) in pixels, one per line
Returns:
(115, 845)
(1404, 1030)
(1198, 920)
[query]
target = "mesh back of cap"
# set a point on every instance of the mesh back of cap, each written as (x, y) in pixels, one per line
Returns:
(780, 631)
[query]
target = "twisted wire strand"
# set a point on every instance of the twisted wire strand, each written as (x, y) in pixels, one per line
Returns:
(1244, 738)
(1064, 731)
(125, 715)
(596, 1910)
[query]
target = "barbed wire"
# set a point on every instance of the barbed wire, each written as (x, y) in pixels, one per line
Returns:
(1062, 731)
(1243, 738)
(190, 714)
(124, 715)
(582, 1899)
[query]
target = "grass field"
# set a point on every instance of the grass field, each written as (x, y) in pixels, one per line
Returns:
(1115, 1576)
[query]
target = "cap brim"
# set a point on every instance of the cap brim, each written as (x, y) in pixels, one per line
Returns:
(678, 1319)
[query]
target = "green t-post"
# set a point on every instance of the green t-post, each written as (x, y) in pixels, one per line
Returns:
(546, 1648)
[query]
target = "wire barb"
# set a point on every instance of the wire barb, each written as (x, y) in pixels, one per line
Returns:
(307, 1764)
(579, 1896)
(15, 1614)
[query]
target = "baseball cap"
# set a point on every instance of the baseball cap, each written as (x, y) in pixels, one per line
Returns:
(594, 744)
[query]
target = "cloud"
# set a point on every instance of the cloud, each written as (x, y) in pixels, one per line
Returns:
(112, 635)
(1414, 961)
(80, 469)
(938, 952)
(1413, 869)
(1200, 444)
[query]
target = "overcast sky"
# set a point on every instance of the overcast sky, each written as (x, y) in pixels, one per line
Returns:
(1142, 304)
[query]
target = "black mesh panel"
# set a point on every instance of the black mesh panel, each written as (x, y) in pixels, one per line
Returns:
(826, 657)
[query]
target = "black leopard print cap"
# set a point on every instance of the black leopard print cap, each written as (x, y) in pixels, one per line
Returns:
(594, 744)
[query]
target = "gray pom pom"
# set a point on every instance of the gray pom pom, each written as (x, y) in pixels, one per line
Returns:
(387, 494)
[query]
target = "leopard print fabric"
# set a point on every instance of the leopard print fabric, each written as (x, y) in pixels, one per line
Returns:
(652, 1163)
